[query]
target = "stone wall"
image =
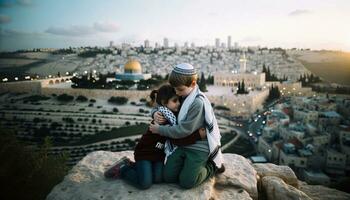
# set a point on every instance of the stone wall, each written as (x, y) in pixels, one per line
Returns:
(33, 87)
(97, 93)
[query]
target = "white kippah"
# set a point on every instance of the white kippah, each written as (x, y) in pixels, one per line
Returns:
(185, 69)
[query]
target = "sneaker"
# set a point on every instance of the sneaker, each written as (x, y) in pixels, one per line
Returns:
(115, 171)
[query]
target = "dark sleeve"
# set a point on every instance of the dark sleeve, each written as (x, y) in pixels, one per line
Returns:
(191, 139)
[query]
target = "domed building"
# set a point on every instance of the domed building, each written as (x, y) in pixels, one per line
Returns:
(132, 71)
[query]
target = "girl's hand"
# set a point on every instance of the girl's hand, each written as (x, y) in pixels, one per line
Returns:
(154, 128)
(159, 118)
(202, 133)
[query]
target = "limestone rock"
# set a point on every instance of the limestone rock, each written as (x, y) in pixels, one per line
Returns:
(86, 181)
(319, 192)
(275, 188)
(283, 172)
(239, 173)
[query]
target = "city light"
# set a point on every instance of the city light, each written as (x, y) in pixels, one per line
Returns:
(16, 78)
(5, 79)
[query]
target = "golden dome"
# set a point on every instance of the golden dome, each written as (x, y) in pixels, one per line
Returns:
(132, 66)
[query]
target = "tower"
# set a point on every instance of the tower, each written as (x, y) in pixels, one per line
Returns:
(243, 64)
(229, 42)
(146, 43)
(217, 42)
(166, 43)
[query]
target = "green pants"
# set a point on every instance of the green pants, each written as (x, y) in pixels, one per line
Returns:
(188, 167)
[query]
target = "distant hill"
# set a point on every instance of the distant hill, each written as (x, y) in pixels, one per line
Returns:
(331, 66)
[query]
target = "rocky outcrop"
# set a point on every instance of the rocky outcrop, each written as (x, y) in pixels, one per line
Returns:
(239, 181)
(319, 192)
(275, 188)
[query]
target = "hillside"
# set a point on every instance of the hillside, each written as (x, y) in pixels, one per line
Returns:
(331, 66)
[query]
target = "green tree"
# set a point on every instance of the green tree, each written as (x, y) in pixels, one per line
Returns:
(27, 173)
(202, 83)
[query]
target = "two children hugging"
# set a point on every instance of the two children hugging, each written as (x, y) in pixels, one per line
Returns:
(188, 164)
(149, 153)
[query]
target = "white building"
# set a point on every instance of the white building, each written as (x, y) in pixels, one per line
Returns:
(243, 64)
(336, 162)
(146, 43)
(217, 42)
(229, 42)
(166, 43)
(230, 79)
(240, 105)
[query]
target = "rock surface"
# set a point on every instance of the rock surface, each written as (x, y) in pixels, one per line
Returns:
(283, 172)
(319, 192)
(276, 188)
(239, 181)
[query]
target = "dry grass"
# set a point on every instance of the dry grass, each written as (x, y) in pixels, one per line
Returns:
(333, 67)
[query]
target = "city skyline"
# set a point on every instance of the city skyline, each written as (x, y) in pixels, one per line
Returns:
(50, 24)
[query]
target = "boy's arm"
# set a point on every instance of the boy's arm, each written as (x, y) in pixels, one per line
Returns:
(193, 121)
(191, 139)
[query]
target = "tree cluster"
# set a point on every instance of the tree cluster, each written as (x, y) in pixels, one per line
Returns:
(202, 83)
(94, 52)
(27, 173)
(241, 88)
(118, 100)
(308, 79)
(272, 77)
(274, 93)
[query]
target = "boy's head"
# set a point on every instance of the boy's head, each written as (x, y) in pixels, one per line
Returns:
(183, 78)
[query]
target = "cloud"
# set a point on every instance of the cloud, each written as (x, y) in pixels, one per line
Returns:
(4, 19)
(299, 12)
(5, 4)
(71, 31)
(9, 3)
(106, 27)
(24, 2)
(97, 27)
(16, 33)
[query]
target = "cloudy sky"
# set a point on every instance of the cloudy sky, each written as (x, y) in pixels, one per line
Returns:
(315, 24)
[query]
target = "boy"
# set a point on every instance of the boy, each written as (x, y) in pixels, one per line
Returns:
(193, 164)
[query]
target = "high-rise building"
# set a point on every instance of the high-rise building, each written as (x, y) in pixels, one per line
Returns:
(236, 45)
(146, 43)
(229, 42)
(186, 44)
(217, 42)
(166, 43)
(111, 44)
(156, 45)
(193, 45)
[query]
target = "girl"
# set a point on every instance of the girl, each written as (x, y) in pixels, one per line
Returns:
(149, 152)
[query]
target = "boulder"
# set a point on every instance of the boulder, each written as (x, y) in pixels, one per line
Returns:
(275, 189)
(319, 192)
(86, 181)
(283, 172)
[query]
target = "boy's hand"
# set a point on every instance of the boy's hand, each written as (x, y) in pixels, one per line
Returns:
(159, 118)
(154, 127)
(202, 133)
